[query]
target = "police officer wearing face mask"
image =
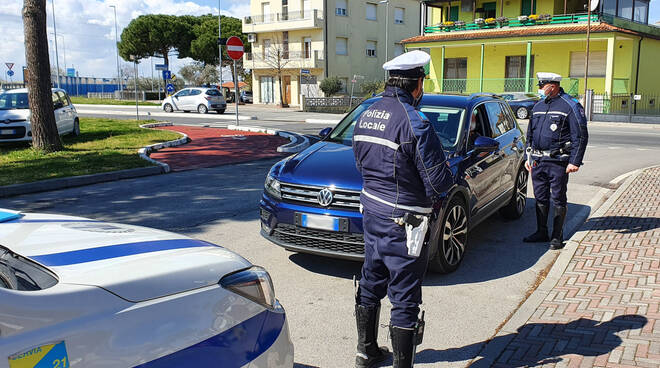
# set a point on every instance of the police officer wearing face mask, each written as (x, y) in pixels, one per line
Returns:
(404, 169)
(556, 141)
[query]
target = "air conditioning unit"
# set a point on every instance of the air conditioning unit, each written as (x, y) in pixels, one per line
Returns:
(252, 37)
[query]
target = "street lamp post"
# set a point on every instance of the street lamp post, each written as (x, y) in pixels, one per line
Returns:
(387, 23)
(117, 49)
(57, 58)
(220, 47)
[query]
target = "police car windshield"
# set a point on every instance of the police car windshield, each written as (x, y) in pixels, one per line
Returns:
(445, 120)
(10, 101)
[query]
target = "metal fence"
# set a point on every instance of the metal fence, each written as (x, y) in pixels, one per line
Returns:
(627, 104)
(492, 85)
(330, 104)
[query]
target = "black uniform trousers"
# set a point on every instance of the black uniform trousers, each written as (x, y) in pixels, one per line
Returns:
(389, 270)
(550, 180)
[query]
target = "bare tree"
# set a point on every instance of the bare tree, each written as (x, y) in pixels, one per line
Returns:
(277, 58)
(44, 129)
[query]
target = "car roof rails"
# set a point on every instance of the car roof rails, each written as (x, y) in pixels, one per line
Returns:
(484, 94)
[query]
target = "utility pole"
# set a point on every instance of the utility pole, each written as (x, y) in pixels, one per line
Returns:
(586, 56)
(220, 47)
(117, 49)
(57, 58)
(387, 24)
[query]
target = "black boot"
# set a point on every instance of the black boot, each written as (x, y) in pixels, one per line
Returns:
(541, 234)
(557, 241)
(368, 353)
(403, 346)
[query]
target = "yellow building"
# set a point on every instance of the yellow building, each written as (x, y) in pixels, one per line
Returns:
(499, 45)
(309, 40)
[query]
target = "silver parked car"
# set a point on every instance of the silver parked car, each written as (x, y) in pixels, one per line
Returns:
(202, 99)
(15, 115)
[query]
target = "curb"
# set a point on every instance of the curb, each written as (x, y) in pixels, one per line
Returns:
(162, 114)
(297, 144)
(501, 340)
(77, 181)
(322, 121)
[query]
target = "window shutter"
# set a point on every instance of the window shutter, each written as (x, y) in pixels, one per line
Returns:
(371, 11)
(398, 15)
(341, 46)
(597, 64)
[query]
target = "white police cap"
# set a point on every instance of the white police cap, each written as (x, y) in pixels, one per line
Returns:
(410, 60)
(545, 77)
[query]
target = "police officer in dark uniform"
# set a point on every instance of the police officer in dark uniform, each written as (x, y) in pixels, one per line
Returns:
(556, 141)
(404, 169)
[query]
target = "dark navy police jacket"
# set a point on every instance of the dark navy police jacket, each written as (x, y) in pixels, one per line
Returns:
(554, 122)
(400, 157)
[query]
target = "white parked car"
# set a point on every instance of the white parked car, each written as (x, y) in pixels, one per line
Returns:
(15, 115)
(201, 99)
(86, 293)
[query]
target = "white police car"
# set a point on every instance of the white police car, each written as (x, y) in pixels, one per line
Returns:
(84, 293)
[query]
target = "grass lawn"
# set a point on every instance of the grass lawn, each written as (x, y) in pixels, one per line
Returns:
(103, 101)
(103, 145)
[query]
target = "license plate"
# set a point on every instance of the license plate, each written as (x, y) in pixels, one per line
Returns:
(7, 131)
(320, 222)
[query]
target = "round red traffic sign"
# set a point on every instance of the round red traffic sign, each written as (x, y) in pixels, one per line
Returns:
(234, 47)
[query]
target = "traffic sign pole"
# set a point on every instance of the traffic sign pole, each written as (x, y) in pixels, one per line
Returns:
(236, 91)
(235, 51)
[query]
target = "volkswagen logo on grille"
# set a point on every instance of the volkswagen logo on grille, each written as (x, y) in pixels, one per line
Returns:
(325, 197)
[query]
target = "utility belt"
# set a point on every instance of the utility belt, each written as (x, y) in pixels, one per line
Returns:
(415, 225)
(564, 152)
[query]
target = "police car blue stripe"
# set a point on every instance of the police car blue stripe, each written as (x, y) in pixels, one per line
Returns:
(9, 216)
(232, 348)
(117, 250)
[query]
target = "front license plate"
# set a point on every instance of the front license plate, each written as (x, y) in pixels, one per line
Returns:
(7, 131)
(320, 222)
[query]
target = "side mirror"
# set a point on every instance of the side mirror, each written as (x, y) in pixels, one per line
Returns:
(324, 132)
(485, 144)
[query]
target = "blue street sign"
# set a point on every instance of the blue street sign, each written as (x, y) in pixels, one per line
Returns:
(167, 75)
(70, 72)
(10, 73)
(170, 88)
(160, 66)
(304, 71)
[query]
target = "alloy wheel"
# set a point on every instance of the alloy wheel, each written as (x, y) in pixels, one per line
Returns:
(522, 113)
(521, 191)
(455, 235)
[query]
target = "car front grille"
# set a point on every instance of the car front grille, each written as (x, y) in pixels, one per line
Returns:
(306, 194)
(350, 243)
(19, 132)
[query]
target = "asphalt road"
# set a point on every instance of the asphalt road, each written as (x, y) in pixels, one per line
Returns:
(614, 149)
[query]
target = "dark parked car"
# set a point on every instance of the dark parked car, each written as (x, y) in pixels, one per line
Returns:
(521, 103)
(487, 163)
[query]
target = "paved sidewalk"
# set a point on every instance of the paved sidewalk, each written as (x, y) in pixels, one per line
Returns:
(214, 146)
(604, 310)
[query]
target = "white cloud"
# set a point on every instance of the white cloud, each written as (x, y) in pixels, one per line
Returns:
(86, 33)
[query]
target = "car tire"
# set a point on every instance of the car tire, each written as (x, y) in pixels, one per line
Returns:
(522, 113)
(76, 128)
(202, 109)
(516, 206)
(168, 108)
(452, 238)
(220, 111)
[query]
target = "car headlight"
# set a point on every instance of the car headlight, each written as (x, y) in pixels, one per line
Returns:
(253, 283)
(272, 187)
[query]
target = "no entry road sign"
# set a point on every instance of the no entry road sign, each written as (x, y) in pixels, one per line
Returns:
(234, 48)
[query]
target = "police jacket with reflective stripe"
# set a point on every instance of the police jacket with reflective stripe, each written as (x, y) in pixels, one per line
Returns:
(399, 155)
(554, 122)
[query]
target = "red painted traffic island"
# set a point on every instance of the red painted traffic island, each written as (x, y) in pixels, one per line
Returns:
(215, 146)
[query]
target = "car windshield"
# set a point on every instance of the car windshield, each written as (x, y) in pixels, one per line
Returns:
(446, 122)
(213, 92)
(10, 101)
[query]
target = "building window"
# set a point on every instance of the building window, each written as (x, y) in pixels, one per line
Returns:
(398, 50)
(371, 48)
(344, 85)
(265, 11)
(307, 47)
(515, 73)
(455, 74)
(453, 13)
(306, 9)
(285, 44)
(285, 9)
(609, 7)
(371, 11)
(342, 46)
(625, 9)
(340, 7)
(489, 10)
(597, 64)
(399, 14)
(266, 51)
(641, 12)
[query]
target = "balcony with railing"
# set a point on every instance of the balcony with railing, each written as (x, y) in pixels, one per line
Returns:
(504, 23)
(288, 21)
(288, 60)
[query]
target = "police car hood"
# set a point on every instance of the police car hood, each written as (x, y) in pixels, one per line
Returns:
(323, 164)
(133, 262)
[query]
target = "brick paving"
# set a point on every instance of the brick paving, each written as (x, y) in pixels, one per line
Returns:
(605, 309)
(215, 146)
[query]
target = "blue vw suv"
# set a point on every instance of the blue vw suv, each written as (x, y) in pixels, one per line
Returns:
(311, 200)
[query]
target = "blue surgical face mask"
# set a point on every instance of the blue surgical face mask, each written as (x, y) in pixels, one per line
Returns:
(542, 94)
